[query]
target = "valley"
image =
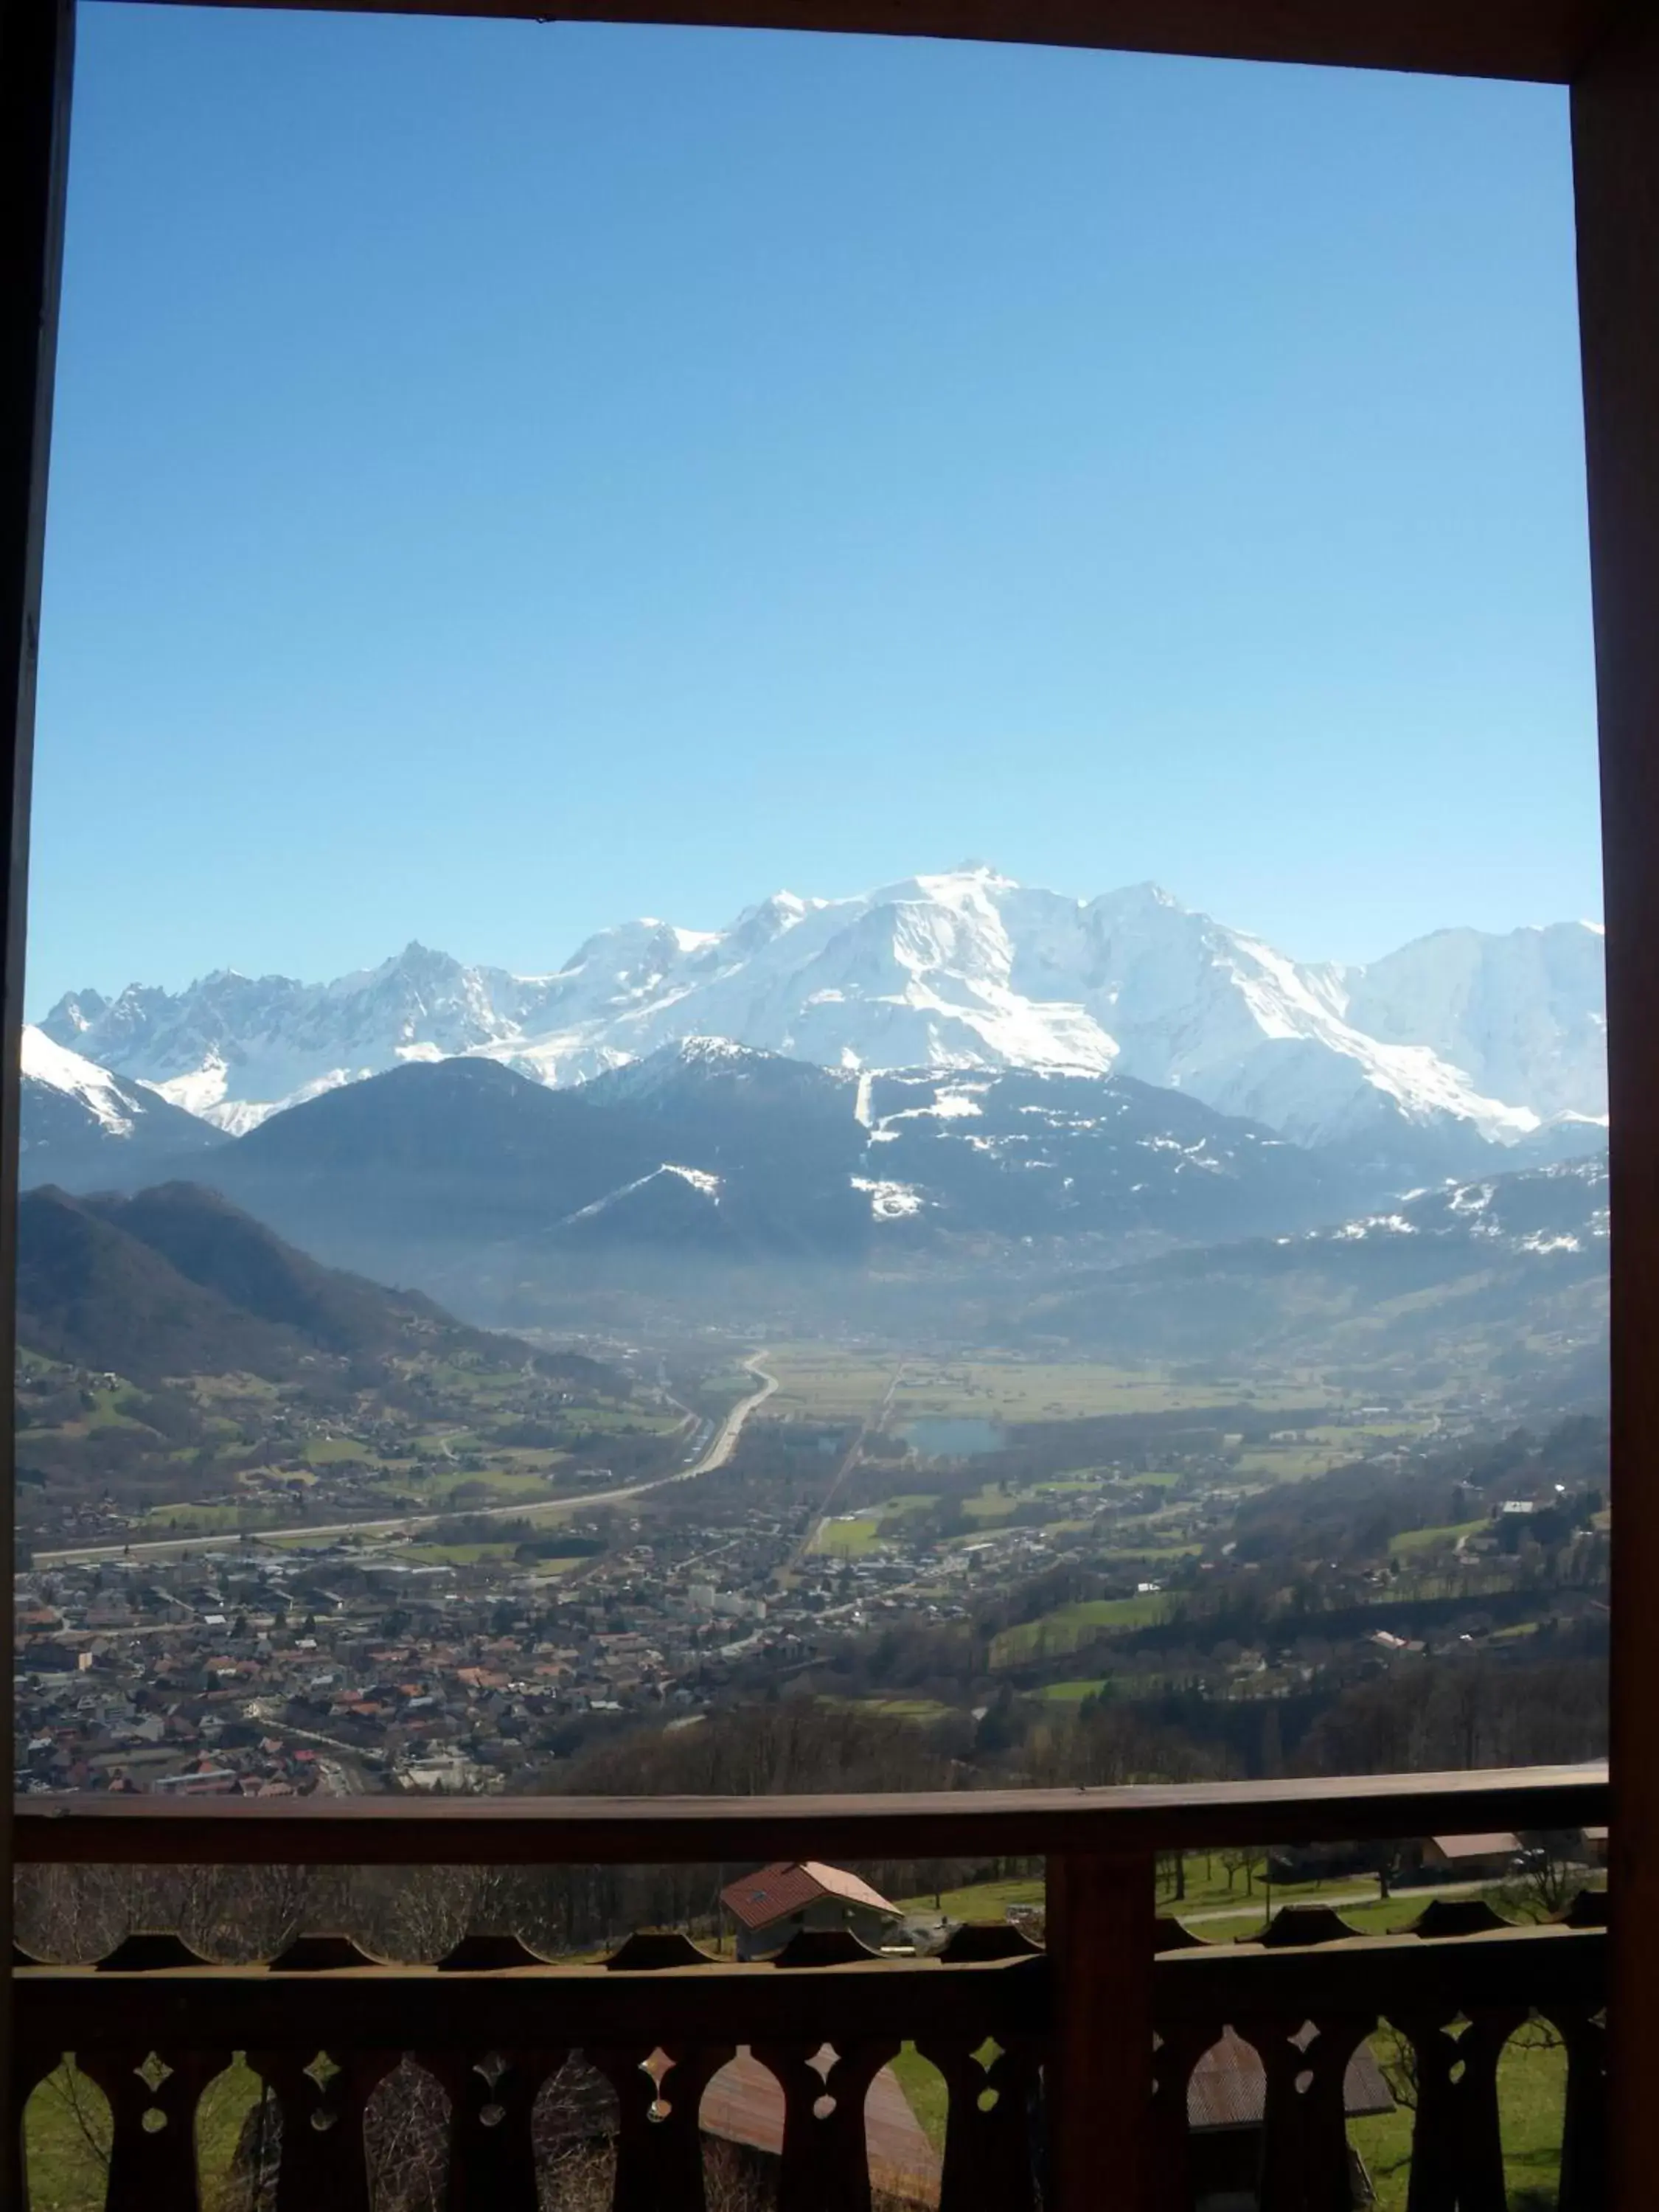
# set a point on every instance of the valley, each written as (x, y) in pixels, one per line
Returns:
(415, 1393)
(184, 1373)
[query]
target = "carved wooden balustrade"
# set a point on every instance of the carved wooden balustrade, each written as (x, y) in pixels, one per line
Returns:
(1067, 2069)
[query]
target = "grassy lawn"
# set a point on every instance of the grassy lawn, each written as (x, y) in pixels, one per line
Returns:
(456, 1555)
(1069, 1627)
(826, 1384)
(1295, 1462)
(66, 2131)
(1073, 1693)
(1372, 1917)
(924, 1711)
(990, 1504)
(163, 1521)
(983, 1901)
(924, 2091)
(1423, 1540)
(846, 1540)
(330, 1451)
(1531, 2090)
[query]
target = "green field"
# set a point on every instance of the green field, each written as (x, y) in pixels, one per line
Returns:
(66, 2131)
(1073, 1693)
(824, 1383)
(330, 1451)
(923, 1711)
(828, 1385)
(982, 1900)
(925, 2092)
(1532, 2079)
(845, 1540)
(1070, 1627)
(1424, 1539)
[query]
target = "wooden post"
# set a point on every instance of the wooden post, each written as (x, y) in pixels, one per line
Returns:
(1615, 132)
(36, 45)
(1099, 2086)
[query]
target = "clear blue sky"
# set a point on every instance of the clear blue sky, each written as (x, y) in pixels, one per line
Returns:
(508, 478)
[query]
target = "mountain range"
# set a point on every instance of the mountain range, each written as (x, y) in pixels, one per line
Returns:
(1462, 1040)
(1005, 1205)
(708, 1150)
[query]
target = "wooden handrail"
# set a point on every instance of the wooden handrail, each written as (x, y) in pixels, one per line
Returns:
(224, 2008)
(1137, 1820)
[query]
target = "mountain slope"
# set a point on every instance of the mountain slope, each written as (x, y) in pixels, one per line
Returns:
(82, 1126)
(90, 1294)
(706, 1147)
(1512, 1268)
(1485, 1039)
(175, 1281)
(1524, 1014)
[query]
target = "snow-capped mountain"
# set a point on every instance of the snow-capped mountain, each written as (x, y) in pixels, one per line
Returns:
(1494, 1038)
(81, 1125)
(1524, 1014)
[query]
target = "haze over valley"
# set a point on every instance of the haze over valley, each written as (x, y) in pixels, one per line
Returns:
(1036, 1282)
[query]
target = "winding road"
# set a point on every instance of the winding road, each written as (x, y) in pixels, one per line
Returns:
(715, 1454)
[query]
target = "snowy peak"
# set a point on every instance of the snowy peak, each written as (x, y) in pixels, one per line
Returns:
(1524, 1014)
(107, 1102)
(1495, 1039)
(81, 1124)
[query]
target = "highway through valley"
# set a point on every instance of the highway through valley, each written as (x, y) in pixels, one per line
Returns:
(714, 1454)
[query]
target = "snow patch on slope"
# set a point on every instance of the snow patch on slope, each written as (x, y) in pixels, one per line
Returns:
(75, 1077)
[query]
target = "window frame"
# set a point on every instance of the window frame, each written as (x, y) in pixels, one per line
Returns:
(1606, 52)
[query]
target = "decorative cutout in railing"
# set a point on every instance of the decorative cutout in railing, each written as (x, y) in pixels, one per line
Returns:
(491, 2026)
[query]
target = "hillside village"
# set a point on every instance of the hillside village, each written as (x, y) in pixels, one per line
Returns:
(487, 1655)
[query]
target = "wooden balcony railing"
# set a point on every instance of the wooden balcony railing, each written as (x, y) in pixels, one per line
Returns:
(1067, 2069)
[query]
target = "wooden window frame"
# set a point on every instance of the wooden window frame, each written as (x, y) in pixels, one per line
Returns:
(1608, 52)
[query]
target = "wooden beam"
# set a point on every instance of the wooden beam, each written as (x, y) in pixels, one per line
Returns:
(1544, 41)
(224, 2008)
(1099, 2080)
(36, 46)
(703, 1830)
(1615, 130)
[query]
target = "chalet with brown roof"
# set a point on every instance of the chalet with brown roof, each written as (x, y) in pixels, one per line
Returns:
(777, 1903)
(1472, 1858)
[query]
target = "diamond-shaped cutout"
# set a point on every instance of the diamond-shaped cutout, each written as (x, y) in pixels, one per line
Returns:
(322, 2069)
(988, 2053)
(154, 2071)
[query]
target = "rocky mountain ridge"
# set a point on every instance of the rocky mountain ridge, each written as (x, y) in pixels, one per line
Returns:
(1497, 1038)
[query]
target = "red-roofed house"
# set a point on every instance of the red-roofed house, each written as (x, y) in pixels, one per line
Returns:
(776, 1903)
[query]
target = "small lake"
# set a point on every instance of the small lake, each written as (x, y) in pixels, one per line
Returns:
(953, 1435)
